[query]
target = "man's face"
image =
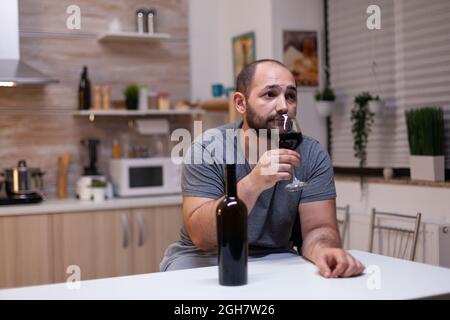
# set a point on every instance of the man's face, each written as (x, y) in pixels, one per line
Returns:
(273, 92)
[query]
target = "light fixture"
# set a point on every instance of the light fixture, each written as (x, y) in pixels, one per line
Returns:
(7, 84)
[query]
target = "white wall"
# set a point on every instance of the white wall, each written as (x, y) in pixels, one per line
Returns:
(241, 16)
(204, 31)
(433, 203)
(213, 24)
(304, 15)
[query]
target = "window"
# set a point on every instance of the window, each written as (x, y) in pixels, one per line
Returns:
(407, 63)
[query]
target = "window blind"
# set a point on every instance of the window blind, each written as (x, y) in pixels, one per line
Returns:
(406, 63)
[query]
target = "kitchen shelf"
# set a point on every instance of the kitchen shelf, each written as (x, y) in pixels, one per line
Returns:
(215, 105)
(133, 37)
(137, 113)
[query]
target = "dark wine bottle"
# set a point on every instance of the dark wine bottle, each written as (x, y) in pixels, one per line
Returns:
(84, 91)
(232, 245)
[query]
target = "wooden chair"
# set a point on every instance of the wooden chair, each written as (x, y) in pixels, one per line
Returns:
(343, 216)
(394, 239)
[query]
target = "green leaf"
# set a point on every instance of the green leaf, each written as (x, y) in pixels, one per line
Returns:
(425, 128)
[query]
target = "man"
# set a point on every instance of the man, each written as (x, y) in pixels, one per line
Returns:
(265, 89)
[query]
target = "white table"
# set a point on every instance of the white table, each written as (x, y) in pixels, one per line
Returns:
(274, 278)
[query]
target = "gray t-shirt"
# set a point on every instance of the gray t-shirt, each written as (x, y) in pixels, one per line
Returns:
(271, 220)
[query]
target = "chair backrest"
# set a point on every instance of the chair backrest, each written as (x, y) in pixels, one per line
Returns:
(343, 215)
(397, 234)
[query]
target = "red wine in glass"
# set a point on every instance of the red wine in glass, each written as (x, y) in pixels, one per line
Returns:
(290, 137)
(290, 140)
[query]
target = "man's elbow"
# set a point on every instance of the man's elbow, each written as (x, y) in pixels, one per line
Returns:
(203, 243)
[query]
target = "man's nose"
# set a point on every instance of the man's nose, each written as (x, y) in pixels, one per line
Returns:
(281, 105)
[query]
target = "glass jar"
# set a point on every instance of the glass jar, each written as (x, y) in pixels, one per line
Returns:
(163, 101)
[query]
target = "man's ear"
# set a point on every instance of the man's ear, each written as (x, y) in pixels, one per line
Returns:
(239, 102)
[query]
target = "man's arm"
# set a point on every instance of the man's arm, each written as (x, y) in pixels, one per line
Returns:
(322, 243)
(200, 213)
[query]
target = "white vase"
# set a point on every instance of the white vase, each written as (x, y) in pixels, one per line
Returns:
(375, 106)
(85, 194)
(143, 99)
(388, 173)
(431, 168)
(98, 194)
(325, 108)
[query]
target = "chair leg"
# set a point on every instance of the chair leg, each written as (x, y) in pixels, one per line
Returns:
(371, 232)
(416, 235)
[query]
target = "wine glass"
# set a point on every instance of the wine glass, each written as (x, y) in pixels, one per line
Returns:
(290, 137)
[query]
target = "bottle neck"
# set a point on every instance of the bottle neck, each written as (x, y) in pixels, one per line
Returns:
(231, 185)
(84, 74)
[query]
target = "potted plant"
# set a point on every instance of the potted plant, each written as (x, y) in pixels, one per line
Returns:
(426, 143)
(362, 120)
(325, 101)
(131, 93)
(375, 105)
(98, 188)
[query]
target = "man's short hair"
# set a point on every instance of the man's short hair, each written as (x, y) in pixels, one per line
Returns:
(245, 78)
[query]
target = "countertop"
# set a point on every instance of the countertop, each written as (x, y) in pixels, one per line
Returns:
(406, 181)
(271, 278)
(74, 205)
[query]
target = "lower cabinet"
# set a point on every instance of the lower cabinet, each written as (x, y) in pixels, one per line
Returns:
(154, 229)
(97, 245)
(85, 245)
(25, 250)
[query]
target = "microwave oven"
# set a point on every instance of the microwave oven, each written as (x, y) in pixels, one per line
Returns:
(145, 176)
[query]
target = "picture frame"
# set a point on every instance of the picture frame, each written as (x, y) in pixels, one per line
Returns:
(244, 51)
(301, 56)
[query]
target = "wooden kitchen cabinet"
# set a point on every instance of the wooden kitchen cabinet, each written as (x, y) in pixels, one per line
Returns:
(154, 229)
(39, 249)
(26, 254)
(98, 242)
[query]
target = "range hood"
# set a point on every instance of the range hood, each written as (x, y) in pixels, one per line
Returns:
(13, 71)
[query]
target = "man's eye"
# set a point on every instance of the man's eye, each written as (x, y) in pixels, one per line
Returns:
(270, 94)
(291, 97)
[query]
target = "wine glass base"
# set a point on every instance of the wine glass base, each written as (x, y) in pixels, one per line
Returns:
(295, 186)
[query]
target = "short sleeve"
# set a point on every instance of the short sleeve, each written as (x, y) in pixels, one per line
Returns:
(203, 179)
(320, 175)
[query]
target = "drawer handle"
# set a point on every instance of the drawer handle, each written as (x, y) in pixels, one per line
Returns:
(126, 230)
(140, 220)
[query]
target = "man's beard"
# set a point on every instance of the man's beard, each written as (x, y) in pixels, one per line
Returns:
(258, 123)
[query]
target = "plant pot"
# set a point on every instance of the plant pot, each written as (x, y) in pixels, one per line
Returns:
(431, 168)
(131, 103)
(98, 194)
(85, 194)
(388, 173)
(325, 108)
(375, 106)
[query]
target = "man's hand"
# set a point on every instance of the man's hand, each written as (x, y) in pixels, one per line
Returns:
(336, 262)
(273, 166)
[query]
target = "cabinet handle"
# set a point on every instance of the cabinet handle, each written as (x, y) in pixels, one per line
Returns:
(140, 220)
(126, 230)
